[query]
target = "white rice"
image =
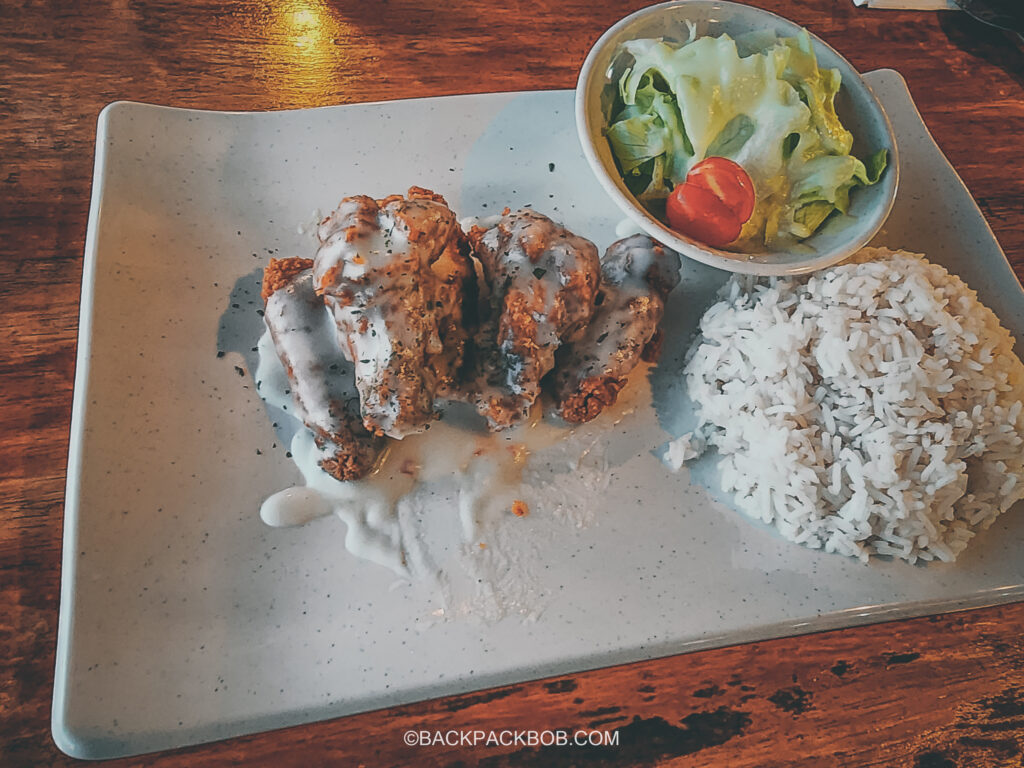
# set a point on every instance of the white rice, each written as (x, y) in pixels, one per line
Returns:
(871, 408)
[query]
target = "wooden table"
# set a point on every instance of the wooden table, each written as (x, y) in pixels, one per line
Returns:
(940, 691)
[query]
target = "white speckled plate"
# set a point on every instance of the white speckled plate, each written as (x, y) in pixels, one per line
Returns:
(184, 619)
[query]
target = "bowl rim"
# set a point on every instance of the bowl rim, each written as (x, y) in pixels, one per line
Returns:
(714, 257)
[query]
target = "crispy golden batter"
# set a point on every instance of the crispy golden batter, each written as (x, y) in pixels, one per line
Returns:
(417, 311)
(395, 274)
(637, 276)
(540, 281)
(320, 377)
(280, 272)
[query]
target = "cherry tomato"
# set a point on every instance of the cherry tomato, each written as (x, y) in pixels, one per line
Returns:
(713, 203)
(729, 183)
(697, 213)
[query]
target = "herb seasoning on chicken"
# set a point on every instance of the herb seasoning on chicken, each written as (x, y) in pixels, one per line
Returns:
(542, 281)
(637, 274)
(394, 272)
(320, 377)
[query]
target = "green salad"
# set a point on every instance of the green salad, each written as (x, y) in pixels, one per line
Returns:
(771, 112)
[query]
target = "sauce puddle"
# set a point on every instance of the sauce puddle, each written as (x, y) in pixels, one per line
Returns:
(455, 468)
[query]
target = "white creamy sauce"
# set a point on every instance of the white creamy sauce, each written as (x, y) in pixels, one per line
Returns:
(636, 274)
(489, 466)
(306, 335)
(454, 477)
(631, 274)
(627, 305)
(311, 224)
(484, 222)
(368, 345)
(294, 506)
(376, 270)
(373, 346)
(627, 228)
(437, 508)
(367, 506)
(530, 260)
(543, 283)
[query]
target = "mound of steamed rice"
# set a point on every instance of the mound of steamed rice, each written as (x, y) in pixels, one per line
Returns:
(871, 408)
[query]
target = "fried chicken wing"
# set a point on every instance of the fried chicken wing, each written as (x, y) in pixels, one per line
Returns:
(321, 379)
(394, 273)
(542, 280)
(637, 274)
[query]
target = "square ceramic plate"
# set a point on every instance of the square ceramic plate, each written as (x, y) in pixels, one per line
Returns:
(184, 618)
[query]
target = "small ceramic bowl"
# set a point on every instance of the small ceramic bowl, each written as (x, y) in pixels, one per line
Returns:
(859, 110)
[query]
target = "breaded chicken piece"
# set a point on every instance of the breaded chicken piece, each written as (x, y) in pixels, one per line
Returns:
(637, 274)
(394, 273)
(542, 280)
(321, 379)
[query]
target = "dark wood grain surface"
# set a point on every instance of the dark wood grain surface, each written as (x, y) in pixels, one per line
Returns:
(934, 692)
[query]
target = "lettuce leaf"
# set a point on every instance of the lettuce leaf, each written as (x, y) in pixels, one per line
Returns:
(875, 165)
(650, 127)
(823, 185)
(713, 87)
(772, 111)
(636, 139)
(732, 137)
(817, 89)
